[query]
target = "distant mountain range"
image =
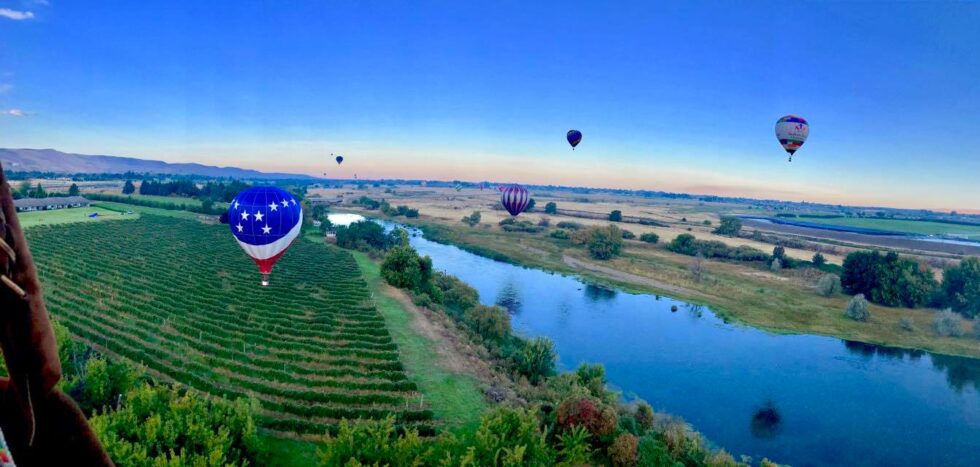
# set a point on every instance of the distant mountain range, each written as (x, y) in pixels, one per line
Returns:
(51, 160)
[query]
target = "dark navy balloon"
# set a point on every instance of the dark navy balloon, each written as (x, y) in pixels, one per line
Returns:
(339, 159)
(265, 220)
(574, 137)
(515, 199)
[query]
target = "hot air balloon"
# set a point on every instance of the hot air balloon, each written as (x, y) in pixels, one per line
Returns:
(339, 159)
(574, 137)
(792, 132)
(515, 199)
(265, 220)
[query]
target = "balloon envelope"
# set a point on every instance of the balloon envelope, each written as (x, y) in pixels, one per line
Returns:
(792, 131)
(515, 199)
(339, 159)
(574, 137)
(265, 220)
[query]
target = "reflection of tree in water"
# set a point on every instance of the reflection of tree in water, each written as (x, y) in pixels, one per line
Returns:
(597, 293)
(871, 350)
(960, 371)
(694, 310)
(509, 298)
(766, 422)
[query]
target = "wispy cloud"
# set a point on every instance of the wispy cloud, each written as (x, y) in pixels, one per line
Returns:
(15, 14)
(14, 113)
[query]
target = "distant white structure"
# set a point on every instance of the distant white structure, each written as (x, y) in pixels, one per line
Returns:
(47, 204)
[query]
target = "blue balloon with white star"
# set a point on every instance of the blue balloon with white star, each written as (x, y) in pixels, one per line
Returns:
(265, 220)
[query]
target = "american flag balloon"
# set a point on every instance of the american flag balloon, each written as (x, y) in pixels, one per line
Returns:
(265, 220)
(515, 199)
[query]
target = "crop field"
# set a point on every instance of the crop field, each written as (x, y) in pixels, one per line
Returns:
(71, 215)
(182, 298)
(901, 225)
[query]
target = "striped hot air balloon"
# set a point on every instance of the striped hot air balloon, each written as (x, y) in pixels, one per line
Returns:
(265, 220)
(792, 131)
(515, 199)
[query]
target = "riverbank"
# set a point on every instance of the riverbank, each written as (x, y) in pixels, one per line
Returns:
(784, 302)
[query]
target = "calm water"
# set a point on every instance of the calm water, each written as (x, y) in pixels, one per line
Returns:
(799, 399)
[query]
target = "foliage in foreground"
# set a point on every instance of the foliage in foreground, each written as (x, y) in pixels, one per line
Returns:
(163, 425)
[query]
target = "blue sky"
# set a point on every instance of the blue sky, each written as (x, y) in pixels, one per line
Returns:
(673, 96)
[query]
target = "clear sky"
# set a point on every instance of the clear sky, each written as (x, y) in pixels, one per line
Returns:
(679, 96)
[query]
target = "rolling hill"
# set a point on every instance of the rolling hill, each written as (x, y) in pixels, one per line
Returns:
(51, 160)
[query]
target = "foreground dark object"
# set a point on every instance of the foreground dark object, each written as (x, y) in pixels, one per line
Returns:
(42, 425)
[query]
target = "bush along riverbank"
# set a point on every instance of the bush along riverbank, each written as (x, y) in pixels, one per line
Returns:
(555, 419)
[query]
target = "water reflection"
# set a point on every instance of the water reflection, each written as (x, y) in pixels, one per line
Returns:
(960, 372)
(597, 293)
(509, 298)
(871, 350)
(766, 422)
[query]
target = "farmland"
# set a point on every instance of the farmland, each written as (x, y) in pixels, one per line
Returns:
(65, 216)
(905, 226)
(182, 299)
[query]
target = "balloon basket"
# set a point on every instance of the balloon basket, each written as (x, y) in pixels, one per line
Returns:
(265, 280)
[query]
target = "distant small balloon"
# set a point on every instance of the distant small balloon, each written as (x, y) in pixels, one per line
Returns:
(792, 131)
(574, 137)
(339, 159)
(515, 199)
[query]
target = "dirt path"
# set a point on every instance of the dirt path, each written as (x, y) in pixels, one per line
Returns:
(629, 278)
(455, 351)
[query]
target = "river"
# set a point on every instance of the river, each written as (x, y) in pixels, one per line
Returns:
(798, 399)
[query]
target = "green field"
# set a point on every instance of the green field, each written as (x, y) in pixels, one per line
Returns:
(66, 216)
(182, 298)
(901, 225)
(123, 208)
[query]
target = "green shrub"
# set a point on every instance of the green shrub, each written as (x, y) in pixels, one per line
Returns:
(592, 376)
(574, 449)
(947, 324)
(623, 451)
(819, 260)
(371, 442)
(616, 216)
(627, 235)
(776, 265)
(403, 268)
(653, 452)
(829, 285)
(730, 226)
(362, 234)
(602, 242)
(510, 437)
(472, 219)
(961, 287)
(536, 359)
(857, 308)
(490, 322)
(160, 425)
(650, 237)
(887, 279)
(644, 415)
(551, 208)
(569, 225)
(560, 234)
(456, 294)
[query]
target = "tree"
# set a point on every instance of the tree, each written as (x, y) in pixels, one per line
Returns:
(128, 188)
(616, 216)
(602, 242)
(73, 190)
(650, 237)
(39, 191)
(490, 322)
(857, 308)
(551, 208)
(530, 205)
(536, 359)
(779, 253)
(472, 219)
(947, 324)
(25, 189)
(730, 226)
(696, 268)
(401, 268)
(861, 272)
(961, 287)
(829, 285)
